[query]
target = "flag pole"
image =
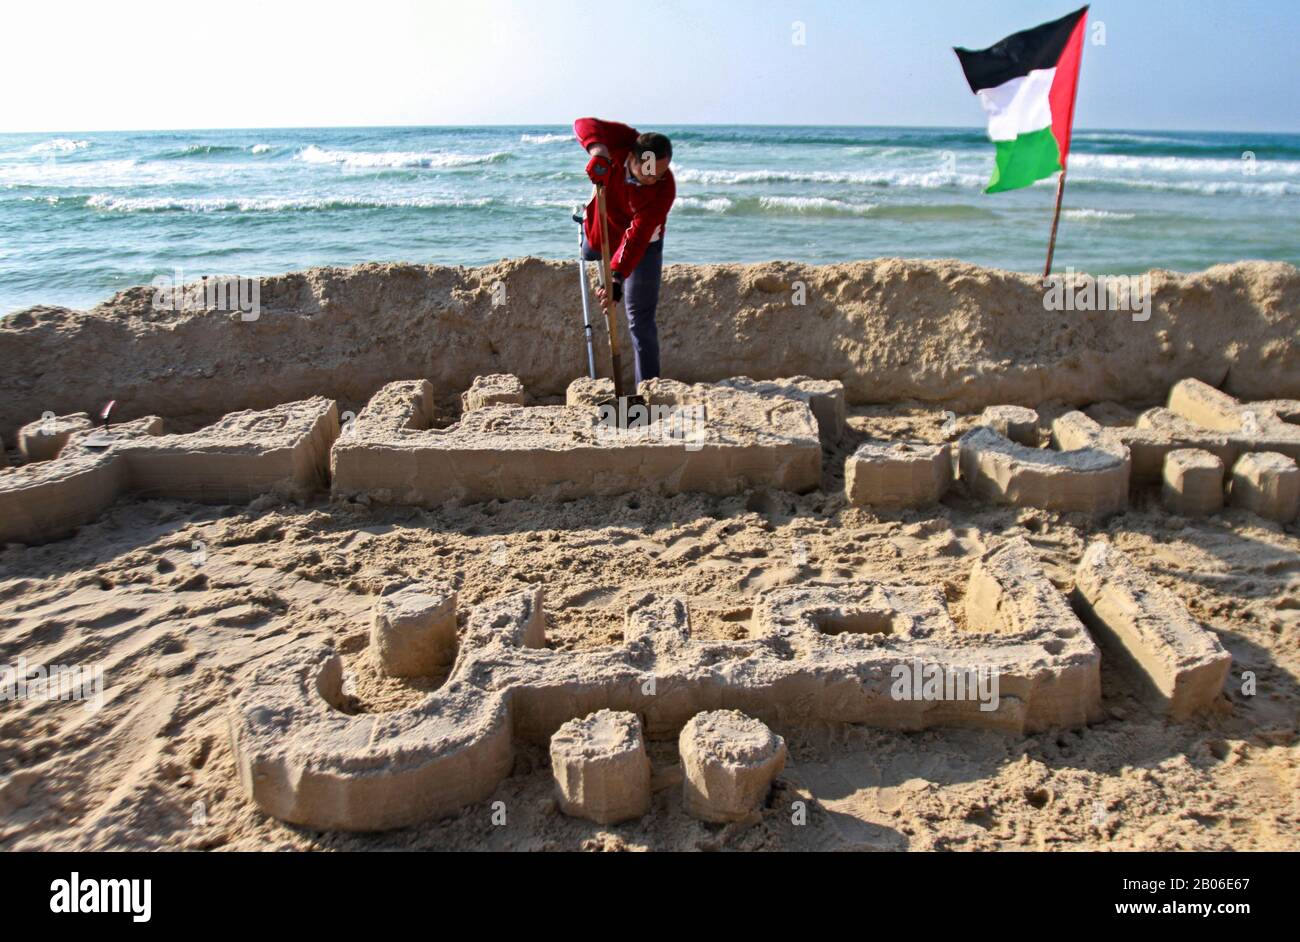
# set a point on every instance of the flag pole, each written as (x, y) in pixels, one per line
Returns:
(1060, 184)
(1056, 221)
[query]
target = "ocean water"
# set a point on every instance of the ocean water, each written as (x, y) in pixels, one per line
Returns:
(85, 215)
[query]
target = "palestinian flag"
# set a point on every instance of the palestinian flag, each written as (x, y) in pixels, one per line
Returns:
(1027, 84)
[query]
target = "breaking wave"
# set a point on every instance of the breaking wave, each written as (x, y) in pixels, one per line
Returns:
(123, 204)
(921, 179)
(1200, 187)
(824, 206)
(1126, 163)
(399, 159)
(1096, 214)
(814, 206)
(59, 145)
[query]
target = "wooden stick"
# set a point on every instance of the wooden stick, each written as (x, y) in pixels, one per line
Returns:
(611, 308)
(1056, 221)
(1060, 184)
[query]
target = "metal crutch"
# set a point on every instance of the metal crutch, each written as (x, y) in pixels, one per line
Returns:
(586, 307)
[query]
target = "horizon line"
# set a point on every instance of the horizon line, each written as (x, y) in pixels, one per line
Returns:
(706, 124)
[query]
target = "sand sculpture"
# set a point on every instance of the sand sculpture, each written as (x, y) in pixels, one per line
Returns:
(1091, 468)
(44, 439)
(1197, 416)
(714, 439)
(821, 652)
(496, 390)
(601, 769)
(839, 652)
(898, 474)
(728, 762)
(1146, 626)
(1268, 484)
(1193, 482)
(243, 455)
(1092, 479)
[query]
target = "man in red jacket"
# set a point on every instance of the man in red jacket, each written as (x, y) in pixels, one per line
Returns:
(639, 192)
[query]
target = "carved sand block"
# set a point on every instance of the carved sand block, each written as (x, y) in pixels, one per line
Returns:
(44, 439)
(601, 769)
(48, 499)
(1198, 416)
(711, 439)
(1014, 422)
(1092, 479)
(498, 389)
(1201, 404)
(728, 762)
(243, 455)
(1075, 431)
(1160, 431)
(898, 474)
(413, 631)
(585, 391)
(240, 456)
(1268, 484)
(1193, 482)
(824, 396)
(1148, 628)
(820, 653)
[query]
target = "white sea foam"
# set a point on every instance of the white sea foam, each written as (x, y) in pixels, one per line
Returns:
(548, 204)
(1202, 187)
(718, 204)
(797, 205)
(59, 145)
(1096, 214)
(921, 179)
(79, 173)
(814, 204)
(545, 138)
(124, 204)
(373, 159)
(1125, 163)
(1128, 136)
(260, 148)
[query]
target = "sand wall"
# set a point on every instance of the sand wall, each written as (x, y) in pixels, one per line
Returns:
(888, 329)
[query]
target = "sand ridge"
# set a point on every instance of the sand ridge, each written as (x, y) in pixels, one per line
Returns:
(888, 329)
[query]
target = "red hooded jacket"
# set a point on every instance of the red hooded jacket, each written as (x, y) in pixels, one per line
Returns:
(637, 213)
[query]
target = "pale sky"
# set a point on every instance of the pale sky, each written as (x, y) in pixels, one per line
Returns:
(140, 64)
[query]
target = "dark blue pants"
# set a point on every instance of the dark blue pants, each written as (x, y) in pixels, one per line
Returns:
(641, 298)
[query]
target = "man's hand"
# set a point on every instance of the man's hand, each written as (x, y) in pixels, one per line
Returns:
(617, 291)
(600, 169)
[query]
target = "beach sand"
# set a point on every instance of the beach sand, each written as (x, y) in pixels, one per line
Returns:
(177, 601)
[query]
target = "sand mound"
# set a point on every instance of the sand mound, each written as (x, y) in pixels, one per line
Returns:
(889, 329)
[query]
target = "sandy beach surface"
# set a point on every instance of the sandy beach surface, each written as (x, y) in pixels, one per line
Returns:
(178, 600)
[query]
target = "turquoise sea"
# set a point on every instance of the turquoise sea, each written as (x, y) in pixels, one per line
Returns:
(85, 215)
